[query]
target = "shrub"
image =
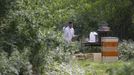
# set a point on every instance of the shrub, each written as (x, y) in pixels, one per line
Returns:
(126, 49)
(16, 64)
(127, 69)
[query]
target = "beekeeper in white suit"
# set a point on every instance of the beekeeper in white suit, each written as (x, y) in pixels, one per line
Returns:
(93, 37)
(68, 32)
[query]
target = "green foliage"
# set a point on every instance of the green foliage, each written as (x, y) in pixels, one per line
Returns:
(66, 69)
(16, 64)
(126, 69)
(99, 68)
(90, 49)
(118, 14)
(126, 49)
(52, 49)
(32, 24)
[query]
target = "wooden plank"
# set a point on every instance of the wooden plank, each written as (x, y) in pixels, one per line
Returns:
(109, 58)
(109, 39)
(110, 53)
(109, 44)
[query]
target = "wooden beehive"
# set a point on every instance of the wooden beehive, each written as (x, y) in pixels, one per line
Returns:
(109, 48)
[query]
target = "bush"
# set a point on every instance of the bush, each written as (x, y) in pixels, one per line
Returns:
(16, 64)
(48, 48)
(127, 69)
(126, 49)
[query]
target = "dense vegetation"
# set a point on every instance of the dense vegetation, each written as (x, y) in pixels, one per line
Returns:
(31, 31)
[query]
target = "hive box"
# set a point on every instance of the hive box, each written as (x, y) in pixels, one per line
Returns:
(109, 49)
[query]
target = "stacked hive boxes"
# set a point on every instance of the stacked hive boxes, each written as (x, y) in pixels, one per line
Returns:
(109, 49)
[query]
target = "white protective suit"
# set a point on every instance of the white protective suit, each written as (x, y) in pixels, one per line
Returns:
(92, 37)
(68, 34)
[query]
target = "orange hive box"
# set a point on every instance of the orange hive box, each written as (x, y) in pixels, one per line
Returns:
(109, 48)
